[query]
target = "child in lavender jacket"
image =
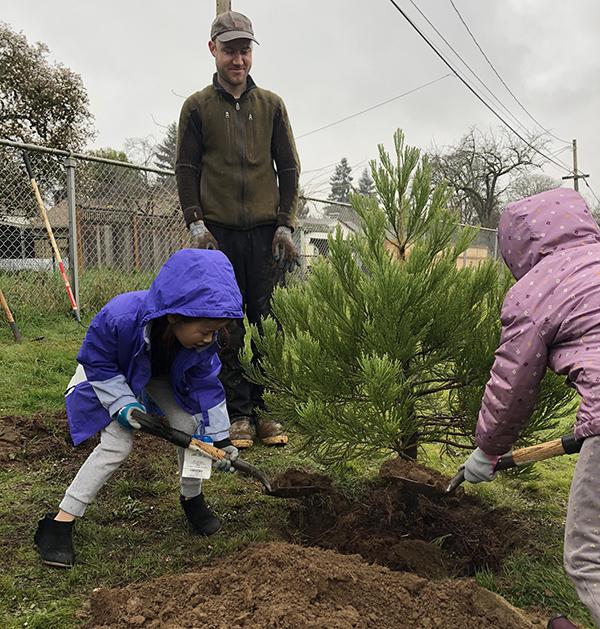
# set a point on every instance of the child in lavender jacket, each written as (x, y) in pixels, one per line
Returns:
(550, 318)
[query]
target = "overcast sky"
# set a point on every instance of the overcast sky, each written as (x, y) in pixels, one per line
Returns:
(332, 58)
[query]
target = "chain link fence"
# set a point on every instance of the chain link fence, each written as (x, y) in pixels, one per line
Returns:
(115, 224)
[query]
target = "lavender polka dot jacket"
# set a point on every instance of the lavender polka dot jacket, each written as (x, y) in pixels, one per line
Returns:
(550, 317)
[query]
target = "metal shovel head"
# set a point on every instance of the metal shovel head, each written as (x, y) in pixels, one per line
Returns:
(418, 487)
(250, 470)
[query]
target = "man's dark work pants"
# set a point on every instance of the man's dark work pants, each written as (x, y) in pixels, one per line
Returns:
(251, 256)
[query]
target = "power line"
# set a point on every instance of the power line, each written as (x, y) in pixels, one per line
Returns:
(472, 90)
(385, 102)
(591, 190)
(323, 180)
(562, 150)
(541, 126)
(315, 170)
(467, 66)
(506, 109)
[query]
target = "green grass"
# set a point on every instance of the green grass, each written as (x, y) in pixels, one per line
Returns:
(36, 371)
(136, 531)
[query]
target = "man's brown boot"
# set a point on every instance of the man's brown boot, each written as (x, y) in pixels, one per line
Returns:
(242, 432)
(270, 432)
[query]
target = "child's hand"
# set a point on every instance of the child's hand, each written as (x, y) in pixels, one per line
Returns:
(124, 415)
(225, 464)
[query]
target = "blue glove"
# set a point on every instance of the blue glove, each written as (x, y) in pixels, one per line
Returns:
(479, 467)
(124, 415)
(225, 464)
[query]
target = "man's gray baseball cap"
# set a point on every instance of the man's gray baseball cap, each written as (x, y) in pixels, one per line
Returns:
(231, 25)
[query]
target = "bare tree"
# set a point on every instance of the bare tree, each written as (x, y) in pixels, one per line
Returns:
(529, 184)
(481, 169)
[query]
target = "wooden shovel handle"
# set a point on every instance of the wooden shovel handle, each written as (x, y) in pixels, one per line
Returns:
(10, 318)
(214, 453)
(566, 444)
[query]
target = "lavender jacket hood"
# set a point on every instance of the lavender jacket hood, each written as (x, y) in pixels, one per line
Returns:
(114, 359)
(550, 317)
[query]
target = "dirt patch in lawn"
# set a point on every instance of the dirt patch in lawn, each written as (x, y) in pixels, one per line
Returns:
(38, 436)
(25, 441)
(288, 586)
(393, 524)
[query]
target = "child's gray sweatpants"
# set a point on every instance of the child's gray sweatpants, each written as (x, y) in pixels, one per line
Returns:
(582, 529)
(114, 447)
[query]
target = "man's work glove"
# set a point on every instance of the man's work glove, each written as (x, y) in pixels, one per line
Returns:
(124, 415)
(285, 252)
(225, 464)
(479, 467)
(201, 236)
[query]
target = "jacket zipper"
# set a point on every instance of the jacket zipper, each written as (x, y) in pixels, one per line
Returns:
(240, 127)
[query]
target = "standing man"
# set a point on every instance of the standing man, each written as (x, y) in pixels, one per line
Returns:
(237, 176)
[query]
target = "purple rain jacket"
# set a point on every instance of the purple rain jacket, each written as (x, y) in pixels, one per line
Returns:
(550, 317)
(114, 359)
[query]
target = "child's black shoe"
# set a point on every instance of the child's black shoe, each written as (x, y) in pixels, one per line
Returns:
(202, 520)
(55, 542)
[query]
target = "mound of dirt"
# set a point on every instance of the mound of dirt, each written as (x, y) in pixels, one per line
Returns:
(287, 586)
(394, 524)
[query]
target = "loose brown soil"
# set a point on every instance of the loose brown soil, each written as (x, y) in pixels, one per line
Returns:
(423, 536)
(392, 523)
(287, 586)
(27, 439)
(24, 439)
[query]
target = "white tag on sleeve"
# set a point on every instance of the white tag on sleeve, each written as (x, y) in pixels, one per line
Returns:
(196, 464)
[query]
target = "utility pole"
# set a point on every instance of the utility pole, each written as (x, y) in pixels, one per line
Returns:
(575, 176)
(223, 6)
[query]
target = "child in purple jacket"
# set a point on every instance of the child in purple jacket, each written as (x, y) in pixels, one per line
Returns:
(159, 345)
(550, 318)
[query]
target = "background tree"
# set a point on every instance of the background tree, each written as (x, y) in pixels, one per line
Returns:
(165, 152)
(40, 103)
(388, 343)
(303, 209)
(529, 184)
(341, 182)
(107, 185)
(366, 185)
(481, 169)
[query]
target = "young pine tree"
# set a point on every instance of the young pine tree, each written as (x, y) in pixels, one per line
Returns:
(387, 343)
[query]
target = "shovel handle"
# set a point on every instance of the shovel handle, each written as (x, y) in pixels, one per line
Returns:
(154, 426)
(567, 444)
(215, 454)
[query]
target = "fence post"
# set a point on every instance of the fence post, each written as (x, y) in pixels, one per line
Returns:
(73, 236)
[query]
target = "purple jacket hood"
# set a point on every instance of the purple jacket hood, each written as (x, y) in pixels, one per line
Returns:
(537, 226)
(195, 283)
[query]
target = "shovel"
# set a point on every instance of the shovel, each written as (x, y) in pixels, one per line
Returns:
(153, 425)
(566, 444)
